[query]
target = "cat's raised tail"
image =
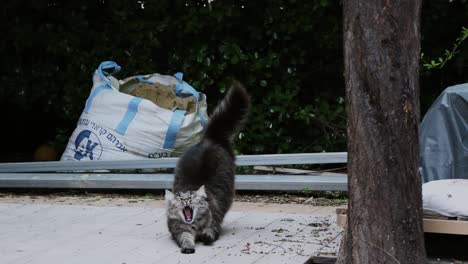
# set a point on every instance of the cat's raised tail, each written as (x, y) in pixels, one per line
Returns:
(229, 116)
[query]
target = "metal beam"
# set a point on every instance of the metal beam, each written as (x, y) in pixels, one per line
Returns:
(322, 182)
(62, 166)
(243, 160)
(291, 159)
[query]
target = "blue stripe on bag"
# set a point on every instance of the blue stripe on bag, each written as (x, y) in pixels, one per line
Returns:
(202, 119)
(173, 129)
(129, 115)
(94, 94)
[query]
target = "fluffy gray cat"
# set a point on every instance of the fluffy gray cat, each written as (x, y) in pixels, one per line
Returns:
(204, 177)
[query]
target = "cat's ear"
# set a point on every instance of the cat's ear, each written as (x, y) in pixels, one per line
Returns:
(201, 191)
(169, 196)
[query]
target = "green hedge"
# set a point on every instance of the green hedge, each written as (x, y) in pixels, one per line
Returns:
(288, 54)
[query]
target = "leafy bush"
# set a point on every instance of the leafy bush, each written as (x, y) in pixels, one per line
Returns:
(287, 53)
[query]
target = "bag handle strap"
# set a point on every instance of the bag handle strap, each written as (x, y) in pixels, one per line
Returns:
(143, 79)
(106, 69)
(103, 70)
(184, 89)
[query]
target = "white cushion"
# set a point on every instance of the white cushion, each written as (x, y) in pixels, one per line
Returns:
(446, 197)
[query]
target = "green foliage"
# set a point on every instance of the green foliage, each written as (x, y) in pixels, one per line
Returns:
(441, 22)
(448, 54)
(288, 53)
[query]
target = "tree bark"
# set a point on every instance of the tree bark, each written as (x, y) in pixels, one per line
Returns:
(381, 46)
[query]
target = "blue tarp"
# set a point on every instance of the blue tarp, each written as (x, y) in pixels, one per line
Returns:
(443, 136)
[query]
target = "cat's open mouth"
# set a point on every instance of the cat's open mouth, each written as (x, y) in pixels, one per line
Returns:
(188, 214)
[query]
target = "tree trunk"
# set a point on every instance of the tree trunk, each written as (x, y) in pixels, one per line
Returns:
(381, 44)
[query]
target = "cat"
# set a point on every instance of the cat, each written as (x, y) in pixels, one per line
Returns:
(203, 188)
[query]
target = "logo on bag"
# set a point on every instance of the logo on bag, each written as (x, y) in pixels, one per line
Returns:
(158, 155)
(87, 145)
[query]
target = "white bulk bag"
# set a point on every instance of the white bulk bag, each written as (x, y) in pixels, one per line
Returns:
(119, 126)
(446, 197)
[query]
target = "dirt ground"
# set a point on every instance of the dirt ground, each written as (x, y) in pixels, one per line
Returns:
(141, 198)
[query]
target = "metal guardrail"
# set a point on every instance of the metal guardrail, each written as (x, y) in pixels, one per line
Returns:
(164, 163)
(89, 174)
(324, 182)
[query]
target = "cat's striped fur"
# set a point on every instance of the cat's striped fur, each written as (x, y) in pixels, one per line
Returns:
(204, 181)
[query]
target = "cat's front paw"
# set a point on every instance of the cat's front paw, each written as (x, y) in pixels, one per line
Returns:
(208, 236)
(187, 250)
